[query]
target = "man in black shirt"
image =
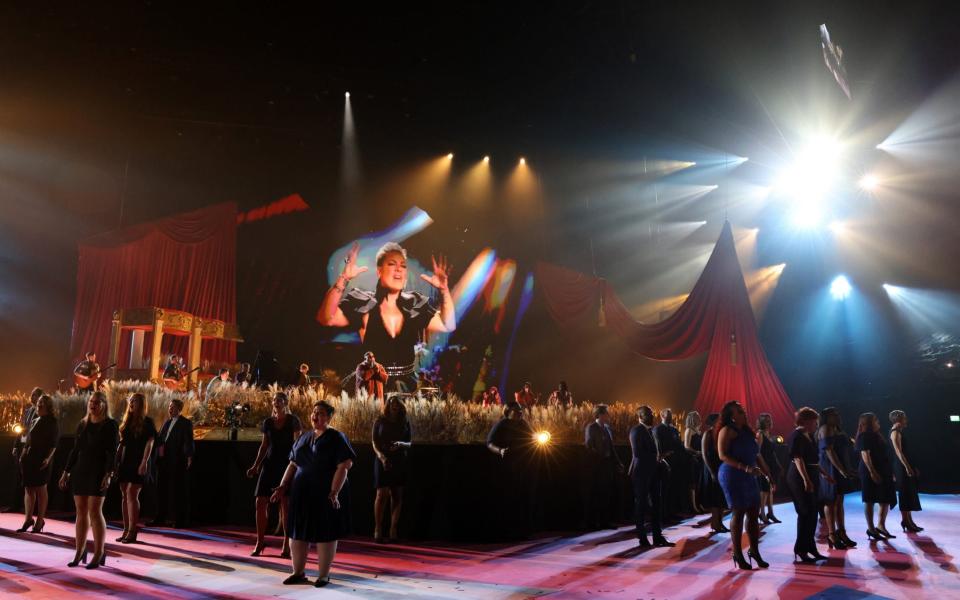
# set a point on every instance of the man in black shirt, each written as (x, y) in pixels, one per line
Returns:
(602, 469)
(87, 373)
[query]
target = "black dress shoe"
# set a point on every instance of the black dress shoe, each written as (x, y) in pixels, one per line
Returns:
(661, 542)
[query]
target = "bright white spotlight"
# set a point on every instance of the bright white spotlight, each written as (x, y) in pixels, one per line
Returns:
(811, 177)
(486, 159)
(346, 95)
(840, 288)
(523, 161)
(837, 227)
(869, 182)
(450, 156)
(806, 216)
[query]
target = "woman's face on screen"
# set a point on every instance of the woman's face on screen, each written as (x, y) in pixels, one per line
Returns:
(393, 272)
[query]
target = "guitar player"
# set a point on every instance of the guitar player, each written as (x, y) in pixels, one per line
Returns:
(87, 373)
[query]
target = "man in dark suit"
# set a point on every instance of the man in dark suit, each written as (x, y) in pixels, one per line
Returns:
(646, 477)
(673, 468)
(602, 468)
(174, 456)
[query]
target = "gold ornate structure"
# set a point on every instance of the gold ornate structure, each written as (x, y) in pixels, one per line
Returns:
(165, 321)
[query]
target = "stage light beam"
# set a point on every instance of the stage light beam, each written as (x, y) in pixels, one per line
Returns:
(840, 288)
(542, 438)
(869, 182)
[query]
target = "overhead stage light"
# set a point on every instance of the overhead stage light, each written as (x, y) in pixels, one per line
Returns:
(523, 161)
(346, 95)
(869, 182)
(450, 156)
(840, 288)
(486, 159)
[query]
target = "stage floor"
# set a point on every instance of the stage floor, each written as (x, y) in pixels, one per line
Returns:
(215, 563)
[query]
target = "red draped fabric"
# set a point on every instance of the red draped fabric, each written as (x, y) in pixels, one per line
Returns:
(716, 318)
(184, 262)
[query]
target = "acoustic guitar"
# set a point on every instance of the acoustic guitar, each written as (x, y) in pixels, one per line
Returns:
(85, 382)
(178, 383)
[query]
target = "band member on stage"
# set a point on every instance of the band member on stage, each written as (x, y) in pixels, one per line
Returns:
(303, 377)
(218, 383)
(740, 453)
(316, 481)
(35, 460)
(90, 370)
(280, 432)
(876, 475)
(906, 473)
(392, 438)
(525, 397)
(244, 375)
(174, 457)
(174, 369)
(602, 468)
(491, 397)
(390, 320)
(137, 436)
(561, 396)
(371, 377)
(646, 476)
(88, 473)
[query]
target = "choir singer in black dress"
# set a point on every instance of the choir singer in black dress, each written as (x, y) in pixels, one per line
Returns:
(88, 474)
(646, 475)
(316, 481)
(876, 475)
(35, 459)
(803, 480)
(280, 431)
(137, 435)
(392, 438)
(906, 472)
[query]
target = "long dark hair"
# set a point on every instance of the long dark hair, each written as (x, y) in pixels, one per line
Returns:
(726, 417)
(712, 424)
(386, 414)
(132, 422)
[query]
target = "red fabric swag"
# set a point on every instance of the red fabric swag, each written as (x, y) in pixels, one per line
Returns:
(184, 262)
(716, 317)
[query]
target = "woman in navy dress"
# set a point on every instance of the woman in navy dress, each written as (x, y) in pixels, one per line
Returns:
(803, 480)
(137, 435)
(42, 436)
(876, 475)
(768, 487)
(906, 473)
(738, 449)
(711, 496)
(834, 472)
(391, 439)
(88, 473)
(316, 479)
(280, 431)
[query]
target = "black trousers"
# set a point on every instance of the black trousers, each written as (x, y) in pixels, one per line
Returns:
(807, 507)
(172, 485)
(648, 492)
(600, 493)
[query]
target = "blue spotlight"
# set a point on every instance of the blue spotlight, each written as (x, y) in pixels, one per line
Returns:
(840, 287)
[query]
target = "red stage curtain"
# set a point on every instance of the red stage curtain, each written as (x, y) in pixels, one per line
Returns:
(716, 318)
(184, 262)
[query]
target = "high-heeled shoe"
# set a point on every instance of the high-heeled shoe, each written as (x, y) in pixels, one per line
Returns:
(38, 528)
(322, 581)
(815, 554)
(773, 518)
(835, 541)
(846, 540)
(916, 528)
(740, 562)
(123, 536)
(95, 564)
(82, 558)
(754, 555)
(26, 525)
(764, 519)
(802, 556)
(258, 549)
(883, 531)
(873, 534)
(131, 537)
(285, 553)
(910, 527)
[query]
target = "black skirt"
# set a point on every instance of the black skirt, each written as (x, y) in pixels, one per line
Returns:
(395, 475)
(271, 474)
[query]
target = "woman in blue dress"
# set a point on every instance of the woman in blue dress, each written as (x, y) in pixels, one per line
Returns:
(834, 471)
(740, 454)
(316, 479)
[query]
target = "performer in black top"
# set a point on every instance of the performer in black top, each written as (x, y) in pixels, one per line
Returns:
(174, 457)
(768, 488)
(711, 494)
(38, 449)
(692, 441)
(88, 473)
(280, 432)
(137, 435)
(390, 320)
(602, 468)
(674, 465)
(173, 370)
(392, 438)
(303, 377)
(87, 373)
(511, 438)
(876, 475)
(803, 479)
(244, 375)
(906, 473)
